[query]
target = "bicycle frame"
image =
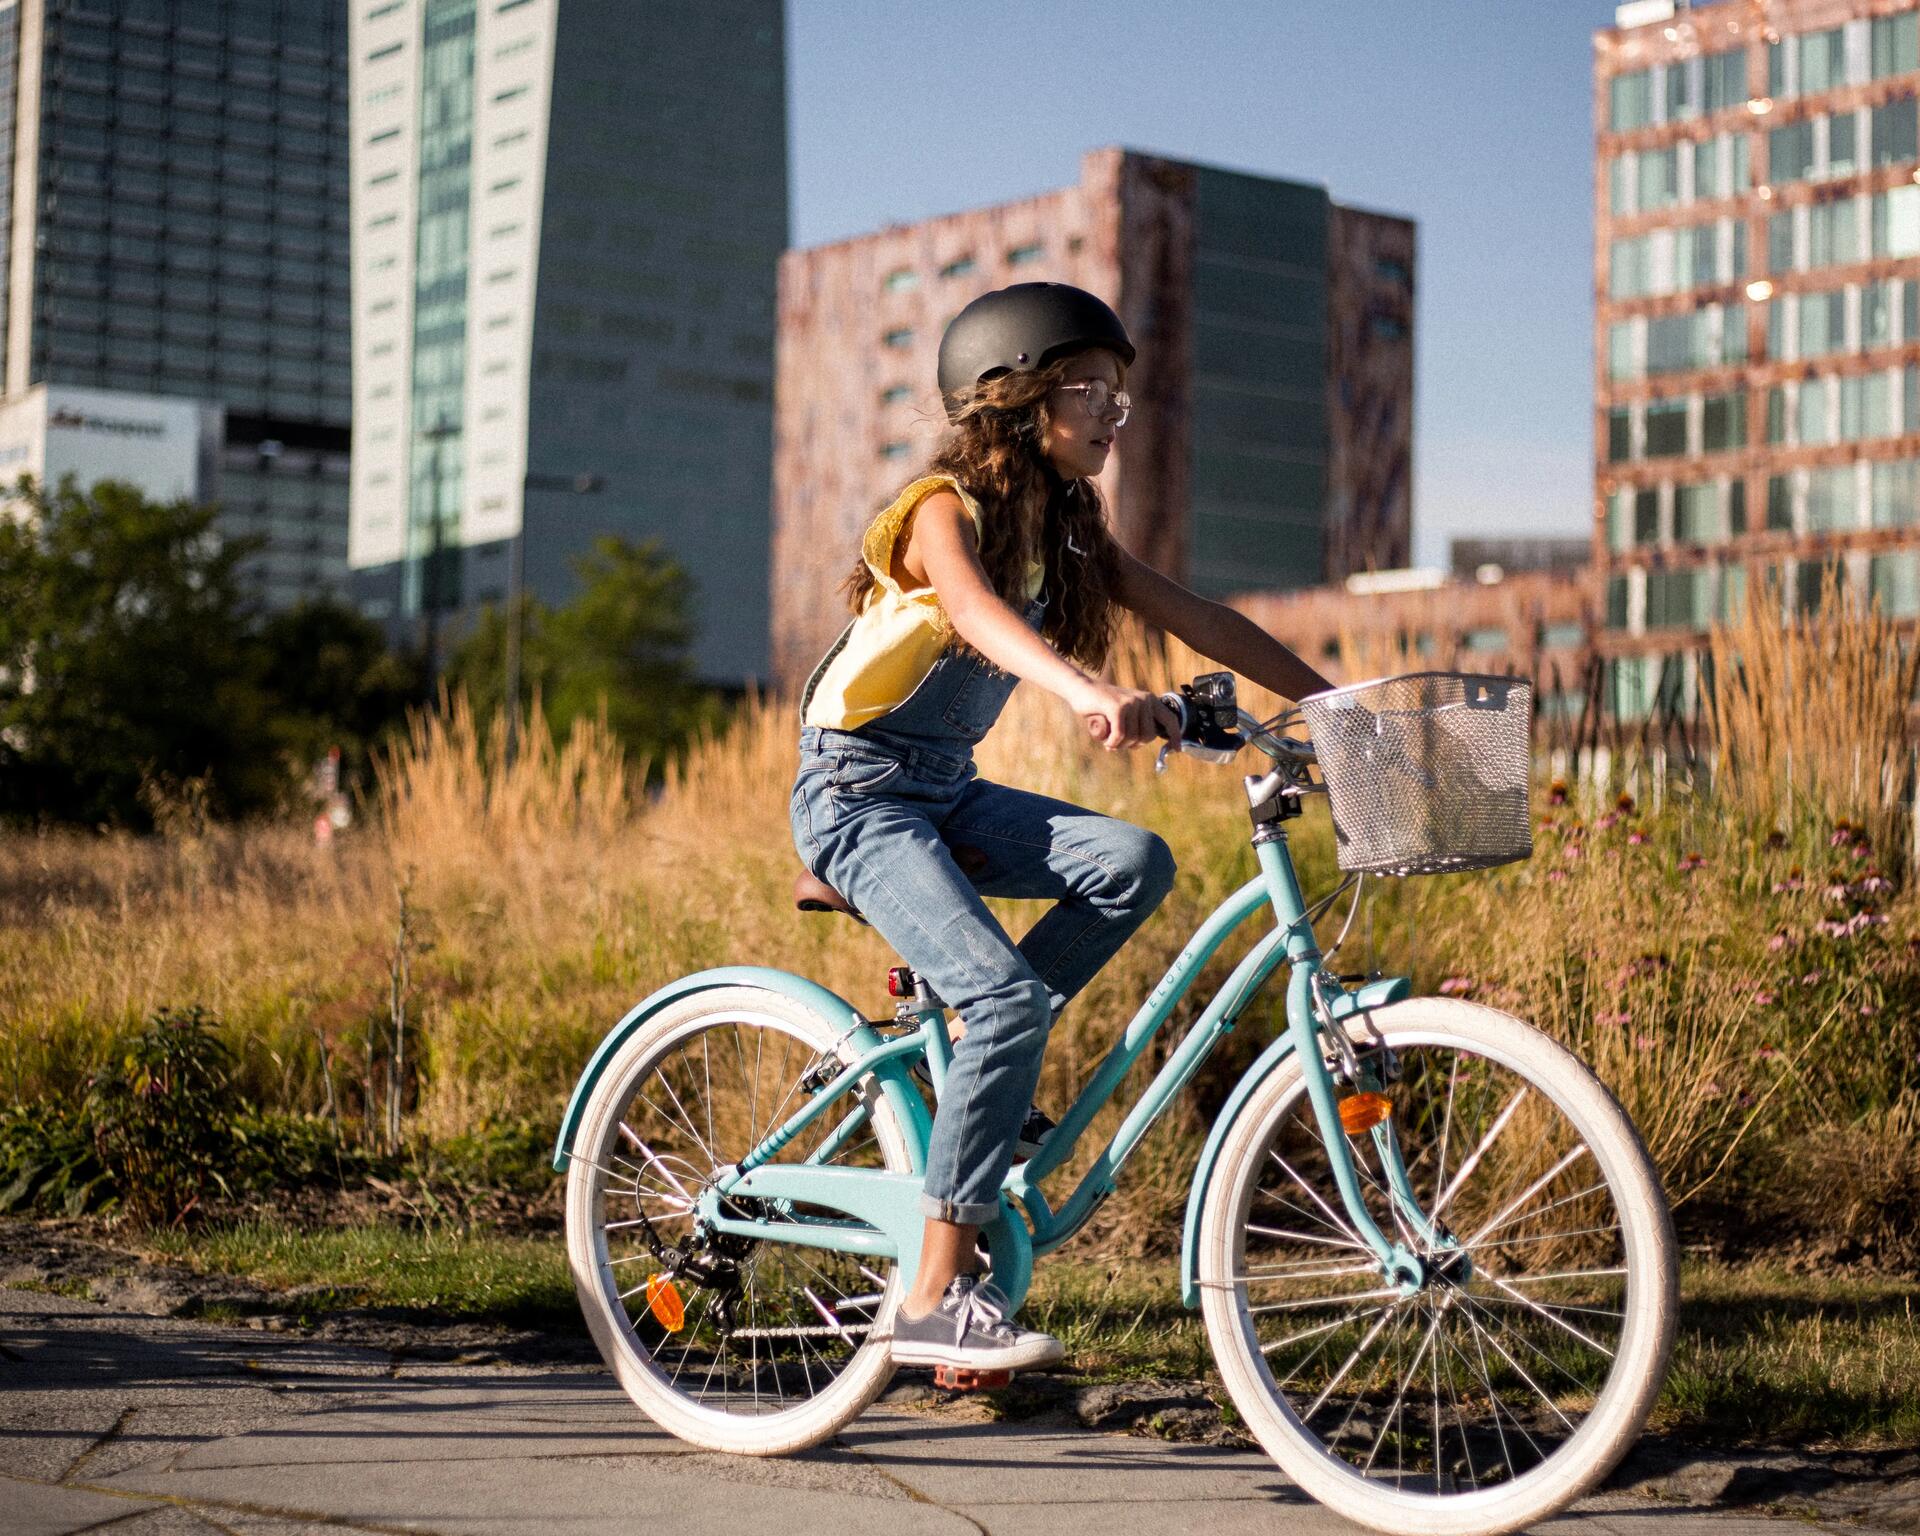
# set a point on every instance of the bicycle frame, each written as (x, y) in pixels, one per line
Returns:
(885, 1207)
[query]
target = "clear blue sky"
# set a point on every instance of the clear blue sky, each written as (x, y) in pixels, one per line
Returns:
(1473, 118)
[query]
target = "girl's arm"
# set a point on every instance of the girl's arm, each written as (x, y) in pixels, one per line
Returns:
(940, 550)
(1216, 631)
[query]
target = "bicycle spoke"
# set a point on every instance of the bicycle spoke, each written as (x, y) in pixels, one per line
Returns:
(1496, 1362)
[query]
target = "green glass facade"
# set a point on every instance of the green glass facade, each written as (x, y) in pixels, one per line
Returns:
(1259, 384)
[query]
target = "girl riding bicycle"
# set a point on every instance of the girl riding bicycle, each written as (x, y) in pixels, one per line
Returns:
(996, 565)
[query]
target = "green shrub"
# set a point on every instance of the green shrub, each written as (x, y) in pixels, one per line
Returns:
(47, 1161)
(158, 1112)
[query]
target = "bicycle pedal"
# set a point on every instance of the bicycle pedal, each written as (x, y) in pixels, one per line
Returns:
(960, 1378)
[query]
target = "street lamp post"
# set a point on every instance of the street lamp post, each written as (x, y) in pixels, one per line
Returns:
(431, 577)
(578, 485)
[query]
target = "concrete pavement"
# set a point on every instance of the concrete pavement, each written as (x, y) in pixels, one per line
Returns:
(153, 1425)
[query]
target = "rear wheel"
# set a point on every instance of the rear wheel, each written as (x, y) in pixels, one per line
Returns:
(1512, 1381)
(757, 1348)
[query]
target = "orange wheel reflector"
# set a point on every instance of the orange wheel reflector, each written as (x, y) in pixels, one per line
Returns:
(1363, 1111)
(663, 1301)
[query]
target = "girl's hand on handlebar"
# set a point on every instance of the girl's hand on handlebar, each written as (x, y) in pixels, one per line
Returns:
(1125, 717)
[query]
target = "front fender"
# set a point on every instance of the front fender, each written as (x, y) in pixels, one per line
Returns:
(1375, 994)
(836, 1010)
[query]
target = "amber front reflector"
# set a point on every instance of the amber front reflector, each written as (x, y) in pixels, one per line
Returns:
(663, 1301)
(1363, 1111)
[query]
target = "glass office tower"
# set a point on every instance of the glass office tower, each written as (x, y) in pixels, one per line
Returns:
(1757, 330)
(176, 226)
(567, 220)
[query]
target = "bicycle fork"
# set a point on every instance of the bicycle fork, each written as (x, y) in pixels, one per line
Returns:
(1308, 1009)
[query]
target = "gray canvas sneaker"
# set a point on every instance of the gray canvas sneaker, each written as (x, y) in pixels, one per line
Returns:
(969, 1328)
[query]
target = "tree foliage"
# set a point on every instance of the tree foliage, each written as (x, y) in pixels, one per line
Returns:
(133, 668)
(124, 658)
(621, 644)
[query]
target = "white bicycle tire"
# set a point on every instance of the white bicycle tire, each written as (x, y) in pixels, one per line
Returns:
(771, 1434)
(1646, 1341)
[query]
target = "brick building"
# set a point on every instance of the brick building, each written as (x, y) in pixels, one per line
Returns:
(1271, 439)
(1757, 325)
(1535, 624)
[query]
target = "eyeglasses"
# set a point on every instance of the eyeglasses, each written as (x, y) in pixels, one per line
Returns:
(1100, 398)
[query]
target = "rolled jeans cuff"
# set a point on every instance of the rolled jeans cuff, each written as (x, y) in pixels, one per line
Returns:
(959, 1212)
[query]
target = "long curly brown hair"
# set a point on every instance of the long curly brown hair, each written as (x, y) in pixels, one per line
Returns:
(1030, 513)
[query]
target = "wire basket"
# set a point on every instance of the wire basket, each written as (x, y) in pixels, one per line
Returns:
(1427, 773)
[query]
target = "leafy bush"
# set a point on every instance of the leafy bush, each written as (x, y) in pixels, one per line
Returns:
(47, 1161)
(158, 1113)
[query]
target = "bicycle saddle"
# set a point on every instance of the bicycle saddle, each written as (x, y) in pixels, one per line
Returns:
(812, 894)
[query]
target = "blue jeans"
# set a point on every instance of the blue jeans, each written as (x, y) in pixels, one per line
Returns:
(878, 822)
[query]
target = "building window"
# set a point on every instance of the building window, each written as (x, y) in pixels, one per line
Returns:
(1896, 132)
(1617, 602)
(383, 136)
(507, 139)
(384, 10)
(1724, 79)
(898, 338)
(1565, 635)
(505, 186)
(1723, 422)
(1893, 582)
(1631, 101)
(1490, 637)
(893, 394)
(1894, 45)
(1666, 428)
(385, 53)
(1779, 504)
(510, 93)
(1619, 434)
(901, 279)
(893, 450)
(1023, 255)
(959, 267)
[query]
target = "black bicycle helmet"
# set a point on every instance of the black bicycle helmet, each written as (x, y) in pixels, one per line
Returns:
(1025, 326)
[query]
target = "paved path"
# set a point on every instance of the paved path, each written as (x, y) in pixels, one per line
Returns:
(154, 1426)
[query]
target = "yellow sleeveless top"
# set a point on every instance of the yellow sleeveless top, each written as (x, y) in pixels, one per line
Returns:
(898, 634)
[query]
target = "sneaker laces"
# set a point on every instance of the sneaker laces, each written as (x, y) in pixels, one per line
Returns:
(981, 1307)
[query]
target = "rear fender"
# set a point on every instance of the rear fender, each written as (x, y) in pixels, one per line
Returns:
(892, 1075)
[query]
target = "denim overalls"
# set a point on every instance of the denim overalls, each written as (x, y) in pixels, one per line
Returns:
(875, 813)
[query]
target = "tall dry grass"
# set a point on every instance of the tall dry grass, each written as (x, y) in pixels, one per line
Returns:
(1810, 719)
(554, 891)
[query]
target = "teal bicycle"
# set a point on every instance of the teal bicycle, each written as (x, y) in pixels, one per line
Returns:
(1435, 1262)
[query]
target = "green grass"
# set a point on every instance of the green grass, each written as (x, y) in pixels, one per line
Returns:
(1761, 1355)
(438, 1275)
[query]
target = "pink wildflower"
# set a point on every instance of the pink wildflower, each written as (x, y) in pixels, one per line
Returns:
(1556, 874)
(1637, 836)
(1458, 986)
(1793, 882)
(1813, 978)
(1689, 862)
(1769, 1053)
(1602, 823)
(1763, 997)
(1711, 1090)
(1781, 940)
(1644, 1042)
(1868, 1010)
(1572, 851)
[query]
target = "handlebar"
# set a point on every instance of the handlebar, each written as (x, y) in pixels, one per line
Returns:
(1215, 729)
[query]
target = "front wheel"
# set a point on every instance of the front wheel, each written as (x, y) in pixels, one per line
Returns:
(1512, 1381)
